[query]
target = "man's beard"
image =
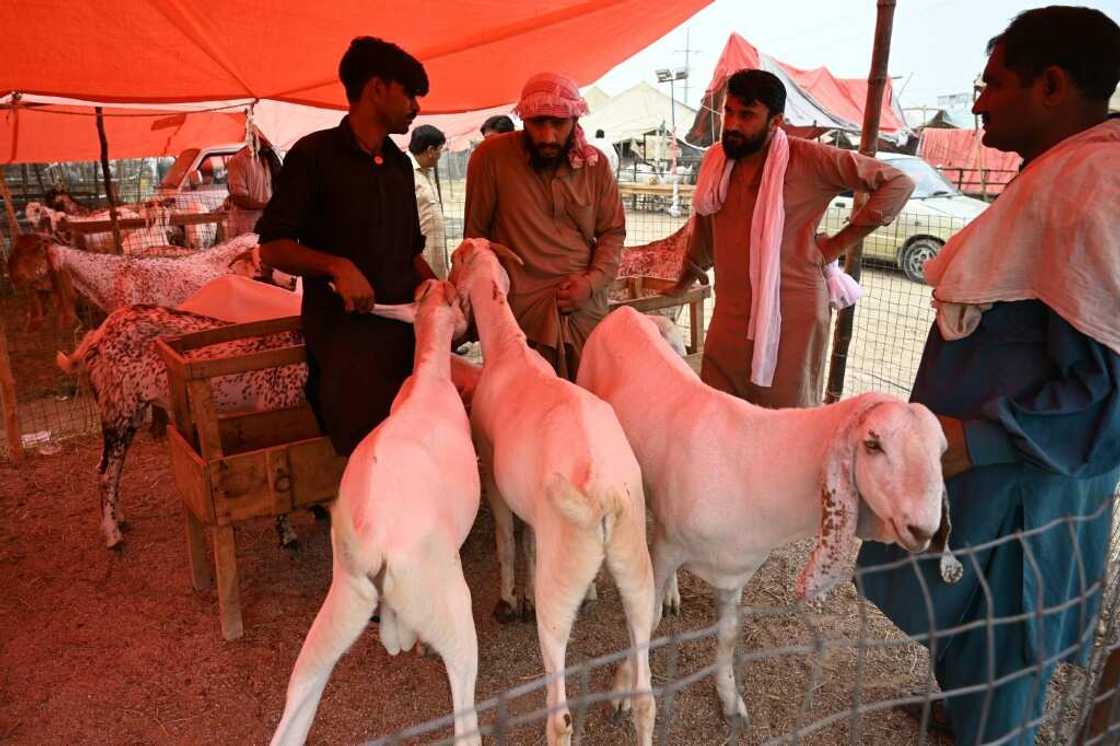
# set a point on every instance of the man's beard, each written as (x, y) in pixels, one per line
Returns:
(736, 145)
(542, 162)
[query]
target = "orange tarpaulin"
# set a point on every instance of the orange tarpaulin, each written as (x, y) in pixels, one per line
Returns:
(477, 53)
(43, 134)
(816, 100)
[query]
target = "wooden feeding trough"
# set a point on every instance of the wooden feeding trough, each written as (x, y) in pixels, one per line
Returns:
(644, 294)
(233, 466)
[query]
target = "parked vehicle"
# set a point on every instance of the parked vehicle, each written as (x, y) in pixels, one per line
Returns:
(935, 211)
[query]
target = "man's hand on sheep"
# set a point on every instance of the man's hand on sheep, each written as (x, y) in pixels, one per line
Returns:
(573, 293)
(955, 459)
(351, 284)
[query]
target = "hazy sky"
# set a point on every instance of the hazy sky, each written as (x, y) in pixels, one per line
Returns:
(937, 48)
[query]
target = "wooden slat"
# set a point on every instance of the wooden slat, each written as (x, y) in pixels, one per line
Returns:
(191, 476)
(234, 331)
(224, 366)
(229, 594)
(256, 430)
(196, 551)
(85, 227)
(316, 471)
(205, 418)
(8, 402)
(241, 487)
(655, 302)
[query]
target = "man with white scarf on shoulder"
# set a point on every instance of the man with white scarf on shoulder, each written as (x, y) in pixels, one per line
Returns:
(1022, 367)
(759, 198)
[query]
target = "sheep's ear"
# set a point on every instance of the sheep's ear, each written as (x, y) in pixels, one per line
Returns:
(951, 568)
(423, 289)
(831, 559)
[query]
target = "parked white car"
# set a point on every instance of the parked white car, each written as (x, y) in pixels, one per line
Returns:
(935, 211)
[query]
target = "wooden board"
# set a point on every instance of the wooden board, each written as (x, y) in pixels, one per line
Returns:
(190, 476)
(234, 331)
(253, 431)
(316, 471)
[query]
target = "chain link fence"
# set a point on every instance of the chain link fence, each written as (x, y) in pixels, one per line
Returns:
(52, 406)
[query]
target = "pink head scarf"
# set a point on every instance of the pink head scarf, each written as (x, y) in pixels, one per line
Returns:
(554, 95)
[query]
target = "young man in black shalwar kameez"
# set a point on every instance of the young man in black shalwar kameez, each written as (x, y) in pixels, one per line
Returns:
(343, 216)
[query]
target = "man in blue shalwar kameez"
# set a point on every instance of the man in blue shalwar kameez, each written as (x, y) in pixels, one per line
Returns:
(1023, 370)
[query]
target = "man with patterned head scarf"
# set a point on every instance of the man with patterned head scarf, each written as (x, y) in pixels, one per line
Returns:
(550, 197)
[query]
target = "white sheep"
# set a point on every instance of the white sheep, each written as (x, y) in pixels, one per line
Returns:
(127, 375)
(729, 481)
(408, 498)
(555, 456)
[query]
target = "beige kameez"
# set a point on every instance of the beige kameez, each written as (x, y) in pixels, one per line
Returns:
(430, 209)
(567, 222)
(815, 175)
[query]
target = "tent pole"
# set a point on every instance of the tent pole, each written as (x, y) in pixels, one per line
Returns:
(8, 409)
(869, 140)
(108, 179)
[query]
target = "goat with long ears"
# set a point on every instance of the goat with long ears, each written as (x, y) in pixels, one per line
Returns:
(729, 481)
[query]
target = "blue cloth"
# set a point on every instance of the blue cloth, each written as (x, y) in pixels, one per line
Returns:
(1040, 404)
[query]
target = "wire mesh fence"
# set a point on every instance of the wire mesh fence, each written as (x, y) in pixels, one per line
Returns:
(51, 405)
(827, 682)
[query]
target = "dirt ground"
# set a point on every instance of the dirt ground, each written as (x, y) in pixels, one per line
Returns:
(112, 647)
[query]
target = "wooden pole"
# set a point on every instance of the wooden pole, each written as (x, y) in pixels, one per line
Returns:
(8, 409)
(8, 406)
(108, 179)
(869, 140)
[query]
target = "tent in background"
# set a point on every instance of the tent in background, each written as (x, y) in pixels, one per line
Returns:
(816, 100)
(965, 161)
(477, 52)
(635, 112)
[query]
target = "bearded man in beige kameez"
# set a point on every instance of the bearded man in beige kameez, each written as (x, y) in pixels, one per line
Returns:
(550, 197)
(815, 174)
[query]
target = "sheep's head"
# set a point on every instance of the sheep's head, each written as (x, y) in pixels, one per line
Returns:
(438, 303)
(881, 480)
(28, 264)
(247, 263)
(478, 263)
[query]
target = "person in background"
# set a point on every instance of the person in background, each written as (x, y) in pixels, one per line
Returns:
(607, 149)
(251, 174)
(496, 125)
(550, 197)
(1022, 368)
(424, 150)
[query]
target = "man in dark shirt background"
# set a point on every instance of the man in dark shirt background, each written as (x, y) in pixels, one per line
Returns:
(343, 214)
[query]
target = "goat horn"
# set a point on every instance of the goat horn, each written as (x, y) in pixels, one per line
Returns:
(504, 252)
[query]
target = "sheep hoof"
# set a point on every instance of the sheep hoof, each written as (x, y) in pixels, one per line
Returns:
(738, 715)
(124, 525)
(292, 545)
(320, 513)
(528, 612)
(115, 542)
(504, 612)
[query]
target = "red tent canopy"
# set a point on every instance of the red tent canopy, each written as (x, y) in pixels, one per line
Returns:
(967, 162)
(816, 100)
(40, 134)
(477, 52)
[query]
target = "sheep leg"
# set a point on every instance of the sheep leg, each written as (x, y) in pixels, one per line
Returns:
(449, 629)
(565, 566)
(115, 443)
(671, 596)
(344, 614)
(728, 604)
(528, 591)
(666, 560)
(629, 563)
(285, 532)
(506, 610)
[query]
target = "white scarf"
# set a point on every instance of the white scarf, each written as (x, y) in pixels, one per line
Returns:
(1053, 235)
